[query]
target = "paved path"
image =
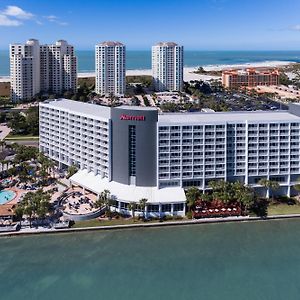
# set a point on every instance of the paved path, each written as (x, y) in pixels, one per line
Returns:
(145, 225)
(4, 131)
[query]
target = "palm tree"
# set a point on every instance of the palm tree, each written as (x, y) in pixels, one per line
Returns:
(132, 207)
(274, 185)
(105, 199)
(264, 182)
(19, 211)
(297, 188)
(142, 205)
(270, 185)
(192, 195)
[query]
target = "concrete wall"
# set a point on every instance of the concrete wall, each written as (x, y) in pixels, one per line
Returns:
(146, 135)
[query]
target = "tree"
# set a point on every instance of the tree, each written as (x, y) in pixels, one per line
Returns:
(19, 212)
(142, 205)
(35, 204)
(132, 207)
(192, 195)
(270, 185)
(71, 170)
(105, 199)
(264, 182)
(297, 188)
(274, 185)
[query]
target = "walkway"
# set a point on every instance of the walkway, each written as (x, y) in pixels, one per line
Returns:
(145, 225)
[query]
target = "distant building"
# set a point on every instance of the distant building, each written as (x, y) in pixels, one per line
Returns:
(110, 68)
(25, 70)
(167, 66)
(36, 68)
(58, 67)
(249, 78)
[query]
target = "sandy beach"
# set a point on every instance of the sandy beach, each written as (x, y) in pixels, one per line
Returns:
(188, 73)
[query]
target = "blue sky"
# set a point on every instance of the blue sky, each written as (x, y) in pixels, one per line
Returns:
(197, 24)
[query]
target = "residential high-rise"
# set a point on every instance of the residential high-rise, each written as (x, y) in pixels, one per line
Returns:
(25, 70)
(167, 66)
(58, 67)
(36, 68)
(110, 68)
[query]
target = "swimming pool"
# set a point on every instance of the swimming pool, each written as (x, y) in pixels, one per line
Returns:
(6, 196)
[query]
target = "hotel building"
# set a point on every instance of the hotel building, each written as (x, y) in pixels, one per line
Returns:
(167, 66)
(36, 68)
(110, 68)
(249, 78)
(136, 152)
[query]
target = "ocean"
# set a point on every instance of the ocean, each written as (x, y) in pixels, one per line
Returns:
(249, 261)
(140, 60)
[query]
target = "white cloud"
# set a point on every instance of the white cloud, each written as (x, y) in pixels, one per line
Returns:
(51, 18)
(17, 12)
(56, 20)
(5, 21)
(296, 27)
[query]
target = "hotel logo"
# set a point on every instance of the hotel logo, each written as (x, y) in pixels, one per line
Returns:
(132, 118)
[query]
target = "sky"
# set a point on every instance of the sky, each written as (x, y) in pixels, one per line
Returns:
(196, 24)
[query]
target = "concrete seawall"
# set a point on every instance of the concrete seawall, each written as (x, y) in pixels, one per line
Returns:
(149, 225)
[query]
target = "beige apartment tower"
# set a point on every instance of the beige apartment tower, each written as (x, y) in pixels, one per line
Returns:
(167, 66)
(36, 68)
(110, 68)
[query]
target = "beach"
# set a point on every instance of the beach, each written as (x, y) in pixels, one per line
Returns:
(188, 72)
(189, 75)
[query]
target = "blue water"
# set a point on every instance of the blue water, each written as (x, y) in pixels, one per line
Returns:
(6, 196)
(241, 261)
(142, 59)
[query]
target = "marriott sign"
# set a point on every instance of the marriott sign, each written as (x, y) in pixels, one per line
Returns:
(132, 118)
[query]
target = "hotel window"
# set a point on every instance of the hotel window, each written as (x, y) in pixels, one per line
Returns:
(132, 150)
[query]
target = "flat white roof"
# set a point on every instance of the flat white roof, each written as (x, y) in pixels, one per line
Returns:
(128, 193)
(220, 117)
(100, 111)
(79, 107)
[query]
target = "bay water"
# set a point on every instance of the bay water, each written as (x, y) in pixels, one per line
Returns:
(257, 260)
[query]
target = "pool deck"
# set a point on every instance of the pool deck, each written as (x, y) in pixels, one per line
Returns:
(17, 197)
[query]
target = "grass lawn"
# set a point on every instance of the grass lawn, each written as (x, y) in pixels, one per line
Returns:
(21, 137)
(283, 209)
(105, 222)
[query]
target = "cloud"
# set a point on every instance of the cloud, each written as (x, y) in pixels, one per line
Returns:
(55, 19)
(5, 21)
(295, 27)
(17, 12)
(13, 16)
(51, 18)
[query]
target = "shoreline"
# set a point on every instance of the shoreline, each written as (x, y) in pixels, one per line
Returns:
(188, 71)
(239, 219)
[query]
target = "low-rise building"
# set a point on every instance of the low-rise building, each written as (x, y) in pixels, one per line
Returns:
(249, 78)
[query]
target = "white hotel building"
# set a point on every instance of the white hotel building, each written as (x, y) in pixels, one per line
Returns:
(110, 68)
(167, 66)
(36, 68)
(136, 152)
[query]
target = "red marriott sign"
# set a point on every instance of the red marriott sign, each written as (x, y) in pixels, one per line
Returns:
(132, 118)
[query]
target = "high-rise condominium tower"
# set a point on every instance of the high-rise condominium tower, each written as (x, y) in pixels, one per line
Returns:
(110, 68)
(167, 66)
(38, 68)
(25, 70)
